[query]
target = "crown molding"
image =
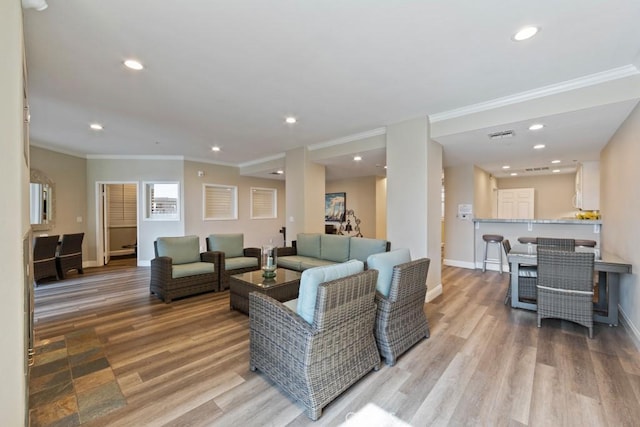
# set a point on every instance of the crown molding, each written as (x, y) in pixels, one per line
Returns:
(132, 157)
(348, 138)
(210, 162)
(262, 160)
(57, 150)
(568, 85)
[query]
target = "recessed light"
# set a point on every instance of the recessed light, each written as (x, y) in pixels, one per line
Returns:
(525, 33)
(555, 162)
(133, 64)
(280, 172)
(290, 120)
(385, 166)
(536, 126)
(555, 170)
(538, 146)
(96, 126)
(514, 174)
(506, 167)
(357, 158)
(215, 148)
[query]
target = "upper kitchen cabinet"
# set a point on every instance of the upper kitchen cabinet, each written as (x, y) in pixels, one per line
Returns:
(587, 195)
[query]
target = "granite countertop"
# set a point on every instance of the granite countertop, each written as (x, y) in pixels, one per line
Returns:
(541, 221)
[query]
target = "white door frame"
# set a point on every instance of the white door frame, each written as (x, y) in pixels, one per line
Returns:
(100, 225)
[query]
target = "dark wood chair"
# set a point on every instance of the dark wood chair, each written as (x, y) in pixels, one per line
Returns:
(44, 257)
(70, 254)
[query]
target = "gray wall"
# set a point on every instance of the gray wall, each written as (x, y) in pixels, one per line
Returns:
(459, 189)
(361, 197)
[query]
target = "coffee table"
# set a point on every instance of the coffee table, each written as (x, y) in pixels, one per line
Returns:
(283, 287)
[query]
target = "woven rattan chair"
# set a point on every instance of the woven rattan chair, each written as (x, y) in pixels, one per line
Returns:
(400, 318)
(239, 260)
(70, 254)
(166, 280)
(527, 278)
(565, 286)
(558, 244)
(44, 257)
(314, 363)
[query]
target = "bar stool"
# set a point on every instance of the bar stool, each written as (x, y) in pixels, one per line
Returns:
(492, 239)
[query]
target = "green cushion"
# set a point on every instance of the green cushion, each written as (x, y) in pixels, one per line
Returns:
(384, 263)
(307, 262)
(308, 244)
(231, 244)
(313, 277)
(334, 247)
(291, 262)
(240, 262)
(361, 248)
(181, 250)
(192, 269)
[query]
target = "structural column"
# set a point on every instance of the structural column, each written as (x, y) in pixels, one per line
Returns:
(414, 186)
(305, 184)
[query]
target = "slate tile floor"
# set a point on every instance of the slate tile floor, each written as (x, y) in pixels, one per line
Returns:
(72, 381)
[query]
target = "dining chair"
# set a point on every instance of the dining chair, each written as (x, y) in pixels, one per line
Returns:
(70, 254)
(527, 278)
(565, 286)
(556, 243)
(44, 257)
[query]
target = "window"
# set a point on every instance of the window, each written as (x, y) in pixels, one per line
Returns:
(264, 203)
(220, 202)
(161, 200)
(123, 208)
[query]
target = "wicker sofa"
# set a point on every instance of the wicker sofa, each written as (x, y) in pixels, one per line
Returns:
(317, 250)
(179, 269)
(315, 361)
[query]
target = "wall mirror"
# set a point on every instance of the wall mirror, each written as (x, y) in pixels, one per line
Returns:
(42, 201)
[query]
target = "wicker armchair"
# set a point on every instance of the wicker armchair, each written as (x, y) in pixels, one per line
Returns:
(70, 254)
(179, 270)
(44, 257)
(400, 318)
(565, 286)
(314, 363)
(557, 244)
(234, 258)
(527, 279)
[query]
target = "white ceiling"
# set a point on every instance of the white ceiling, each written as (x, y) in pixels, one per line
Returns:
(226, 73)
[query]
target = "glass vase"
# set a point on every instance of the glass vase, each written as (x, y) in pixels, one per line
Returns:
(269, 261)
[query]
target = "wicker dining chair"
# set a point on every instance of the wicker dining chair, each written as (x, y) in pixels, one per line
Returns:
(314, 363)
(70, 254)
(44, 257)
(527, 278)
(556, 243)
(565, 286)
(401, 321)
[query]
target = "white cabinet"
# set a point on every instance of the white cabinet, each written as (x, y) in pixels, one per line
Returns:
(587, 195)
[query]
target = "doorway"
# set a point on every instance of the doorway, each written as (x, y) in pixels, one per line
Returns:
(118, 221)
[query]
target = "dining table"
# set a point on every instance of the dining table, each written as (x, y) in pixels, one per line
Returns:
(607, 266)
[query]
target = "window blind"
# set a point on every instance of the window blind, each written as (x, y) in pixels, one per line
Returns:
(263, 203)
(220, 202)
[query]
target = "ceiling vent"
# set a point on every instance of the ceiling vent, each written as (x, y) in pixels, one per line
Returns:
(502, 134)
(544, 168)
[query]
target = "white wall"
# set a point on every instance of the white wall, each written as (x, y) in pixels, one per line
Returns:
(14, 226)
(620, 203)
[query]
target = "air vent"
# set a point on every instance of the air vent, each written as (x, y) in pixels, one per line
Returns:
(544, 168)
(502, 134)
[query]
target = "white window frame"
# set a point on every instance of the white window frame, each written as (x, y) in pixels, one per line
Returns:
(274, 203)
(232, 209)
(148, 216)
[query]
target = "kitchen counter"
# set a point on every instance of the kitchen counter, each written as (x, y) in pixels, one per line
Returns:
(512, 229)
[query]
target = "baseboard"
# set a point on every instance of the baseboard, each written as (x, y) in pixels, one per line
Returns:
(144, 263)
(88, 264)
(461, 264)
(434, 293)
(634, 333)
(121, 252)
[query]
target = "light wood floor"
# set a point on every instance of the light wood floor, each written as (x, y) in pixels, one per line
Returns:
(186, 363)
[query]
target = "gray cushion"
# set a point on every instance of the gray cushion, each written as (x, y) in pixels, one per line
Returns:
(384, 263)
(231, 244)
(308, 244)
(361, 248)
(527, 271)
(334, 247)
(181, 250)
(307, 262)
(191, 269)
(240, 262)
(313, 277)
(292, 262)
